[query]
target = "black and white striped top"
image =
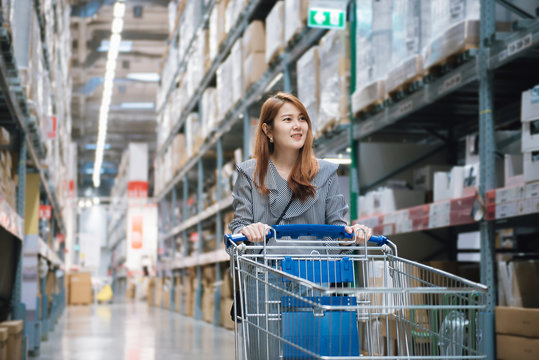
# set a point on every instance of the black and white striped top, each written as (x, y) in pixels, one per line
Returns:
(328, 206)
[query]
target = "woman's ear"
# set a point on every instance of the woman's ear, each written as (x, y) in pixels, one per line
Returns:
(266, 130)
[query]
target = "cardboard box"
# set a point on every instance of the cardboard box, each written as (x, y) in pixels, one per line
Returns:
(517, 321)
(530, 105)
(424, 176)
(14, 341)
(80, 289)
(515, 347)
(469, 240)
(150, 295)
(254, 39)
(254, 67)
(225, 306)
(449, 185)
(208, 304)
(308, 81)
(531, 190)
(4, 136)
(531, 166)
(530, 136)
(4, 335)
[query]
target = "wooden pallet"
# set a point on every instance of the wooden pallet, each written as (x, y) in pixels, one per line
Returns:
(407, 87)
(373, 107)
(450, 62)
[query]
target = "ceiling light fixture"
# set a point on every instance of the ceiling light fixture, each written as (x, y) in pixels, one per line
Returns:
(114, 47)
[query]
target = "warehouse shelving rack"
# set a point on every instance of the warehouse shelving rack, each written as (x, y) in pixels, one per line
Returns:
(501, 55)
(471, 79)
(211, 155)
(28, 144)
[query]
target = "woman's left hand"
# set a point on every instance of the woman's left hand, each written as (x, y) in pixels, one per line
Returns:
(364, 233)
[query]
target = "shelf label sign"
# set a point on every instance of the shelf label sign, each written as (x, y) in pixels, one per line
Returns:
(137, 189)
(45, 212)
(327, 14)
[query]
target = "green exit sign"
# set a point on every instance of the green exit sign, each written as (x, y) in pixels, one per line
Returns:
(327, 18)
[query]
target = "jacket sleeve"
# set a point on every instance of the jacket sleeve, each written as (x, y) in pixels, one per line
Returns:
(336, 206)
(242, 203)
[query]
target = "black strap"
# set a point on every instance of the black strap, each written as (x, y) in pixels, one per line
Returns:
(284, 211)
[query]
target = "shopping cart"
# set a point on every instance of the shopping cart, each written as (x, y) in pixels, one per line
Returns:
(332, 299)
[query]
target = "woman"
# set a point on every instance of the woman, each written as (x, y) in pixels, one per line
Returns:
(285, 181)
(283, 184)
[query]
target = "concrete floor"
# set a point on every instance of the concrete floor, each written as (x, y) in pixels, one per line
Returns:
(134, 331)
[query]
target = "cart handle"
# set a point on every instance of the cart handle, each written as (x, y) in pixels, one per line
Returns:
(296, 230)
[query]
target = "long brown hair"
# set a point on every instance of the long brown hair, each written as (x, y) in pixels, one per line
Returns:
(306, 166)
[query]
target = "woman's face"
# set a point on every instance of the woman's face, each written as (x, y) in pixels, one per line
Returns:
(289, 128)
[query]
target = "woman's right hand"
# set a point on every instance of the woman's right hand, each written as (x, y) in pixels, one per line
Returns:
(256, 232)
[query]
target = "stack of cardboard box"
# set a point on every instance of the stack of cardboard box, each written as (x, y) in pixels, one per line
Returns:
(80, 289)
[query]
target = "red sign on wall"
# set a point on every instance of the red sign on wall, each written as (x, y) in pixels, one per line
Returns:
(137, 189)
(45, 212)
(50, 124)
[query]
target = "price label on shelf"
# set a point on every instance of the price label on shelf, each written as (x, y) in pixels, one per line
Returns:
(45, 212)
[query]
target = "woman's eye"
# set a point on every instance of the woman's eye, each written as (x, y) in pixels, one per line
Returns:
(287, 119)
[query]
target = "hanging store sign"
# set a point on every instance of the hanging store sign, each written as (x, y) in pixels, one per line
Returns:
(327, 14)
(137, 189)
(50, 127)
(45, 212)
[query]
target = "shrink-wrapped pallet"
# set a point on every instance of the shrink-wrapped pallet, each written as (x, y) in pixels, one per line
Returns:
(295, 18)
(210, 111)
(407, 63)
(192, 129)
(448, 28)
(216, 28)
(254, 52)
(334, 70)
(275, 31)
(236, 58)
(224, 93)
(373, 53)
(308, 76)
(233, 11)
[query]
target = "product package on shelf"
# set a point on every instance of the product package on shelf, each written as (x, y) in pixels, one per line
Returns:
(407, 62)
(254, 52)
(210, 111)
(224, 93)
(234, 8)
(373, 59)
(295, 18)
(236, 58)
(275, 32)
(334, 68)
(448, 29)
(192, 133)
(308, 75)
(179, 157)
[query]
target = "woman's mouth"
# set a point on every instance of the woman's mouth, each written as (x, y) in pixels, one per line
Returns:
(297, 136)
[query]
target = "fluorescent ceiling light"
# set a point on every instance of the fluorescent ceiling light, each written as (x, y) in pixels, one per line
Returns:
(123, 46)
(137, 105)
(149, 77)
(119, 10)
(113, 48)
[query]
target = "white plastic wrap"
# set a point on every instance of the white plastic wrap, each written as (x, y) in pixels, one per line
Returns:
(233, 11)
(275, 31)
(192, 129)
(309, 84)
(224, 93)
(210, 111)
(448, 27)
(295, 17)
(236, 57)
(334, 71)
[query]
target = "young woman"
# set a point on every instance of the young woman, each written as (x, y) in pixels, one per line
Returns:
(285, 183)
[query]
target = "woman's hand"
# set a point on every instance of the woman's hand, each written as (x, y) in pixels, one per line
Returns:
(364, 233)
(255, 233)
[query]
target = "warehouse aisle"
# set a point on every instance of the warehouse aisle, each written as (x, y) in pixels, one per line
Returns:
(133, 331)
